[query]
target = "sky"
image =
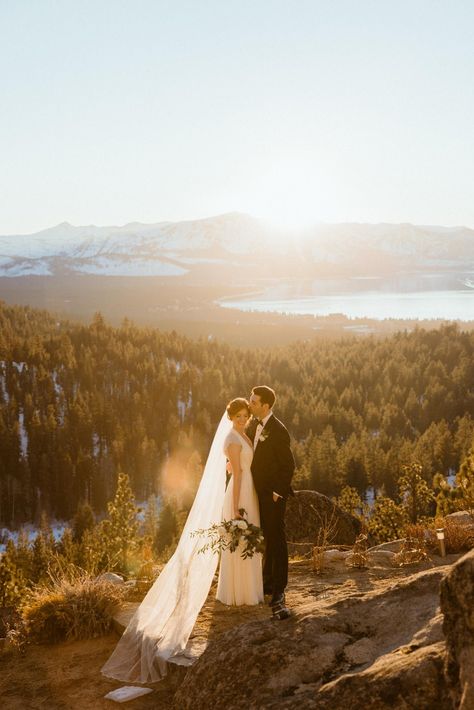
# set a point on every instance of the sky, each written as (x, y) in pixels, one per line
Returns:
(298, 112)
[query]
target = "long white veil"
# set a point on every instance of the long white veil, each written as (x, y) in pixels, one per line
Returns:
(162, 625)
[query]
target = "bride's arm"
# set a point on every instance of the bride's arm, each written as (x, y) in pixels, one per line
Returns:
(233, 454)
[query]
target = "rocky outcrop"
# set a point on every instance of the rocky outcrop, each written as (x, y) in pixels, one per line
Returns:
(307, 512)
(369, 638)
(461, 517)
(396, 681)
(457, 604)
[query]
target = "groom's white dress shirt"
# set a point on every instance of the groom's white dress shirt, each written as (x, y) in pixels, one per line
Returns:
(259, 429)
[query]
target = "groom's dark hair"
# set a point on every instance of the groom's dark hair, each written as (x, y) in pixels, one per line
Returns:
(266, 394)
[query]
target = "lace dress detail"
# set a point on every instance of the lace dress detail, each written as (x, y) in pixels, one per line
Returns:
(240, 581)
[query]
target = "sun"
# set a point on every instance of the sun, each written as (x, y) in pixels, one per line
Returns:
(288, 197)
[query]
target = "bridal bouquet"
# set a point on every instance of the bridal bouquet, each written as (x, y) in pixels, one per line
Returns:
(232, 535)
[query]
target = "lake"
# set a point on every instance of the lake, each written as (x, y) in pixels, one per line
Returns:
(404, 296)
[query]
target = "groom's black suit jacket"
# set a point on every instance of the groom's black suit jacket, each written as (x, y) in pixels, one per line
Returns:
(273, 463)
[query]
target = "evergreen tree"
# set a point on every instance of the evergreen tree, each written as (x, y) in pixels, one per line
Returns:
(24, 554)
(350, 501)
(414, 491)
(46, 530)
(67, 548)
(151, 521)
(83, 520)
(465, 482)
(12, 582)
(387, 521)
(446, 496)
(121, 525)
(41, 559)
(167, 527)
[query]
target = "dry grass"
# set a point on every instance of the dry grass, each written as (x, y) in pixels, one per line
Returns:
(326, 533)
(72, 607)
(358, 556)
(457, 537)
(413, 549)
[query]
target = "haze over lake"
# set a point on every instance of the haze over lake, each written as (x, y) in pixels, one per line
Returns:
(409, 295)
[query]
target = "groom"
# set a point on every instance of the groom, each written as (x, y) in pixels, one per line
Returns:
(272, 468)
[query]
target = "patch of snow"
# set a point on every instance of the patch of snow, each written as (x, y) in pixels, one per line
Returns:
(33, 267)
(370, 497)
(95, 443)
(23, 434)
(181, 409)
(58, 528)
(133, 267)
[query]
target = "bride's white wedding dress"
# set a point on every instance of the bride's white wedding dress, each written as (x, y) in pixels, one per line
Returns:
(160, 628)
(241, 580)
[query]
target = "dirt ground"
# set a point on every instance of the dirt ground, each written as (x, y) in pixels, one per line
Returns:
(67, 675)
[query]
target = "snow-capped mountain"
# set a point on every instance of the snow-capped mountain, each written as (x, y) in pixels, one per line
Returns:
(234, 239)
(162, 249)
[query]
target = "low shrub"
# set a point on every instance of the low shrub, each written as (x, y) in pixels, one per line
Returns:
(358, 556)
(457, 537)
(72, 606)
(413, 548)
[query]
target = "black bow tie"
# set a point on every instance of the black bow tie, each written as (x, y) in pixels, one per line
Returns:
(259, 421)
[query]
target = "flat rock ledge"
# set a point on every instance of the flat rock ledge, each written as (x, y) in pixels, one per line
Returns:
(372, 639)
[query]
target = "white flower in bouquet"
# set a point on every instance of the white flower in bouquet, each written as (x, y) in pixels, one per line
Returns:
(233, 535)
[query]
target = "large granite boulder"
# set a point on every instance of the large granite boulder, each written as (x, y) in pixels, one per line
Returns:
(341, 648)
(457, 605)
(307, 512)
(394, 681)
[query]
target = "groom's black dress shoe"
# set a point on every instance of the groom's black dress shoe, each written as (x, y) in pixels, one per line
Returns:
(279, 609)
(277, 599)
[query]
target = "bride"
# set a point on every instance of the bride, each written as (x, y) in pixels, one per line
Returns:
(160, 628)
(240, 580)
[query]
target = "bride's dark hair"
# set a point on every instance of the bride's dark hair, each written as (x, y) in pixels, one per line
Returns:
(236, 405)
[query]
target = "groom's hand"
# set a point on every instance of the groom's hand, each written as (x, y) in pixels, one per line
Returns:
(276, 496)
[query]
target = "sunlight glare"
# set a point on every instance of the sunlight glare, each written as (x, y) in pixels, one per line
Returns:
(291, 196)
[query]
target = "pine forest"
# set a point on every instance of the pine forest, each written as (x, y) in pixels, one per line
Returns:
(80, 404)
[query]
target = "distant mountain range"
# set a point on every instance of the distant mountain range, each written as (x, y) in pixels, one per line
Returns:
(231, 242)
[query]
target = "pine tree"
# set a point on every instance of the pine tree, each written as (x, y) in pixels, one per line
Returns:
(350, 501)
(414, 491)
(12, 581)
(167, 527)
(24, 554)
(387, 521)
(41, 559)
(446, 496)
(151, 521)
(83, 520)
(46, 530)
(67, 548)
(121, 525)
(465, 482)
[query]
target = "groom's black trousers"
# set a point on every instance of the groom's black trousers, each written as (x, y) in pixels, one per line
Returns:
(275, 558)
